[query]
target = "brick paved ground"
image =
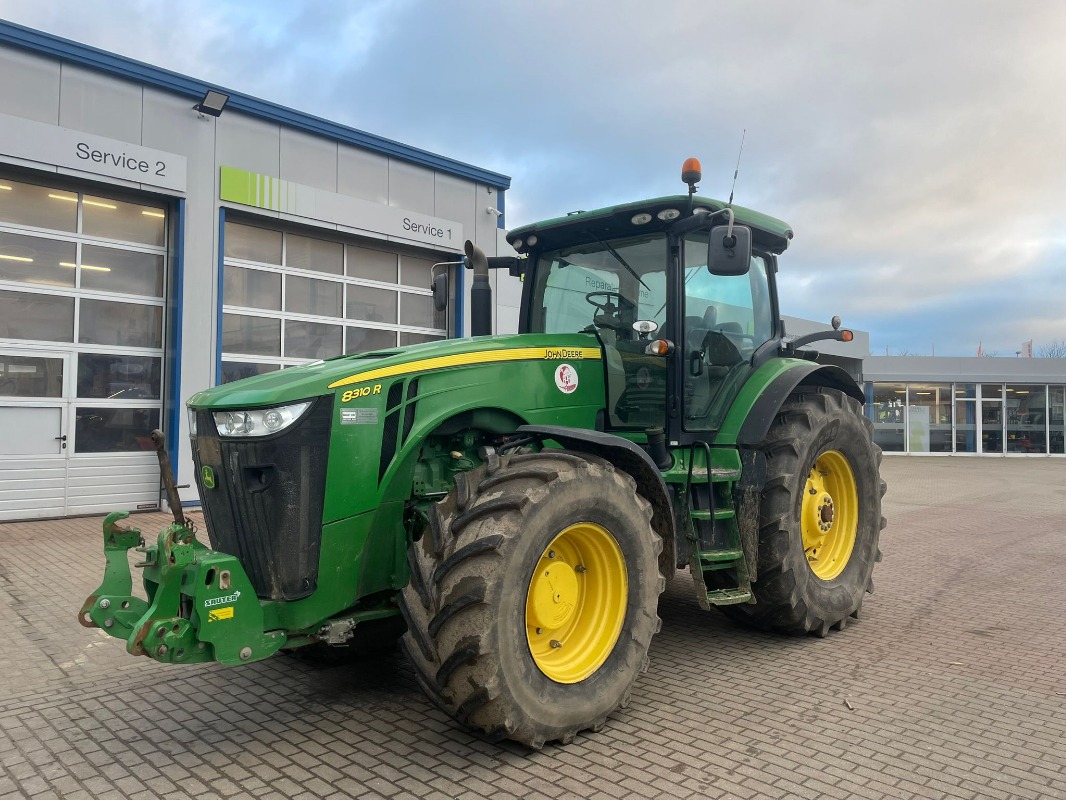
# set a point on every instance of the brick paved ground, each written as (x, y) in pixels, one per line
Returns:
(956, 678)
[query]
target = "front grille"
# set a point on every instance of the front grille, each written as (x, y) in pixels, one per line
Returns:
(266, 505)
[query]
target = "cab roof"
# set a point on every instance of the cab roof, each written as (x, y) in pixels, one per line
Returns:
(614, 221)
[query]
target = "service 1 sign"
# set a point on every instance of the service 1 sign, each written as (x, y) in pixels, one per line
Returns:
(62, 147)
(266, 191)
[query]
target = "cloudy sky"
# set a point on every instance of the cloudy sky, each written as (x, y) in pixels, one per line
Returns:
(917, 147)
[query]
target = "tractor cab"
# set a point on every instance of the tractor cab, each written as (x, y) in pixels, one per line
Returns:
(680, 332)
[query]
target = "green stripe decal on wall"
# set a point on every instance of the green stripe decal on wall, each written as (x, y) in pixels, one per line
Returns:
(259, 191)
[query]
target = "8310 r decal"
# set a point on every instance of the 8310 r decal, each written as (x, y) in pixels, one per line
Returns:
(362, 391)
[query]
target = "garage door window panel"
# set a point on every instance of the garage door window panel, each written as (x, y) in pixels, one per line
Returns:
(125, 222)
(40, 317)
(110, 269)
(124, 324)
(110, 376)
(303, 252)
(252, 288)
(313, 297)
(37, 260)
(363, 340)
(30, 376)
(416, 310)
(371, 305)
(371, 265)
(255, 336)
(416, 272)
(250, 243)
(37, 206)
(312, 339)
(114, 430)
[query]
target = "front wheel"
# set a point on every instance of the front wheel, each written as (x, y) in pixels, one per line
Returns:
(532, 600)
(819, 516)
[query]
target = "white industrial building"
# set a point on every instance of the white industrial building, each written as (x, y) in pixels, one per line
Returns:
(160, 234)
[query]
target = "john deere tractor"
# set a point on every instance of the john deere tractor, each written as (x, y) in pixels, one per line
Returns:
(514, 504)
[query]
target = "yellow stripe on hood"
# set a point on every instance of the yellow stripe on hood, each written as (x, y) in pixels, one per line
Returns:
(466, 359)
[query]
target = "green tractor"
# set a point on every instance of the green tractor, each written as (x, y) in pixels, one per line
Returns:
(513, 505)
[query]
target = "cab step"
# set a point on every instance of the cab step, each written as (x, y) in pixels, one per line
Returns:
(728, 597)
(720, 556)
(704, 515)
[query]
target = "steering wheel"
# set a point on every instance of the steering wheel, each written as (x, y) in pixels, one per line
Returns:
(609, 316)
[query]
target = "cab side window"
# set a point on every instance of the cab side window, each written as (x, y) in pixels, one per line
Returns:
(727, 318)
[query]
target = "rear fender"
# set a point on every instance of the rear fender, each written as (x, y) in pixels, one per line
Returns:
(749, 420)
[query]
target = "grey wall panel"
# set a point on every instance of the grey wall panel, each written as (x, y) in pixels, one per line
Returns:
(508, 289)
(29, 85)
(171, 124)
(363, 174)
(506, 319)
(410, 187)
(485, 227)
(247, 143)
(99, 104)
(310, 160)
(455, 199)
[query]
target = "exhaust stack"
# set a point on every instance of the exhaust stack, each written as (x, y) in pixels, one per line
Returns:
(480, 291)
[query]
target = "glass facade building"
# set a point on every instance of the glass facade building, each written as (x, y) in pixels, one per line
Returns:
(977, 406)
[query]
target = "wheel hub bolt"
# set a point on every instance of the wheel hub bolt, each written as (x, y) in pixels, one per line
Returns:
(551, 554)
(540, 630)
(556, 643)
(580, 568)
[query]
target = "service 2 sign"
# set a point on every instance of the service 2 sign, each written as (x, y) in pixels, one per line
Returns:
(63, 147)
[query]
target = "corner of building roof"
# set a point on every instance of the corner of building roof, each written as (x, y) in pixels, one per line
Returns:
(120, 66)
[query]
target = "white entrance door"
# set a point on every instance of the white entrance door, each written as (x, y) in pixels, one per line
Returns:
(34, 433)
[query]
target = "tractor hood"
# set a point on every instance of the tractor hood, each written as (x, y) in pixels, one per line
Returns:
(321, 377)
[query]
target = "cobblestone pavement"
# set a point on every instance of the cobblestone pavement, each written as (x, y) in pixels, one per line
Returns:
(952, 685)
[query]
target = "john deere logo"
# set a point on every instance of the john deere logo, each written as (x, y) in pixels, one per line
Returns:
(207, 477)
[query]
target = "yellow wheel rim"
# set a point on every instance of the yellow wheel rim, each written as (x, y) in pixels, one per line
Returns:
(830, 515)
(576, 602)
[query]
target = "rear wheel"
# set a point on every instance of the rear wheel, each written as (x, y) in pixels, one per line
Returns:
(533, 595)
(819, 516)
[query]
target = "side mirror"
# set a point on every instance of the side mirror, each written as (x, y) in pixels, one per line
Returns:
(440, 292)
(729, 254)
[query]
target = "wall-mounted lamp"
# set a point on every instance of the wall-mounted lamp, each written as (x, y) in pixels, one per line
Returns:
(212, 104)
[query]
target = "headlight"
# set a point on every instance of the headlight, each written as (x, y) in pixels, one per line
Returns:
(260, 421)
(192, 422)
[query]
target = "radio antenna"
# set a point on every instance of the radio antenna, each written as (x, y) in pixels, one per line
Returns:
(737, 170)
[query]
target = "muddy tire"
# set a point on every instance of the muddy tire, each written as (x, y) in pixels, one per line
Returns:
(819, 516)
(533, 596)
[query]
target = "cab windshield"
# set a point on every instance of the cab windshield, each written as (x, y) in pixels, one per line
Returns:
(601, 286)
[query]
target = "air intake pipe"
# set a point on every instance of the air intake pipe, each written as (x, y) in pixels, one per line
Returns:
(480, 291)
